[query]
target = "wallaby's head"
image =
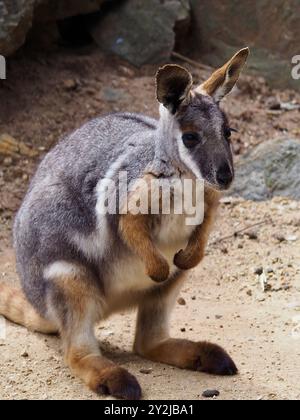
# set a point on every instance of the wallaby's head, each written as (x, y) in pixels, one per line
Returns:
(195, 131)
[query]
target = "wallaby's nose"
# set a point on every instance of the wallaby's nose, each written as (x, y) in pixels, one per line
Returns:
(224, 176)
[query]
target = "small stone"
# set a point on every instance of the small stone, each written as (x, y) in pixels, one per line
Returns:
(113, 95)
(249, 293)
(291, 238)
(25, 354)
(252, 235)
(70, 84)
(258, 271)
(181, 301)
(7, 161)
(182, 329)
(280, 238)
(125, 71)
(146, 371)
(275, 106)
(219, 316)
(211, 393)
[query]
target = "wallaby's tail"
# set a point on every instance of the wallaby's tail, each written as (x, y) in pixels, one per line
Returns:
(15, 307)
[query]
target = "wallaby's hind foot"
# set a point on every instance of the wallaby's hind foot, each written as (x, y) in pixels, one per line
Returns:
(153, 341)
(119, 383)
(101, 375)
(203, 357)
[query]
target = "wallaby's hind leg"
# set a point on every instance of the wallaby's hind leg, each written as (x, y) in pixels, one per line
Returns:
(76, 304)
(153, 341)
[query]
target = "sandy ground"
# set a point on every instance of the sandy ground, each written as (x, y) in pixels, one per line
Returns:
(224, 298)
(224, 303)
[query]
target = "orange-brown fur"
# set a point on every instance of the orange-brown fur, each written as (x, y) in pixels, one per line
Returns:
(83, 304)
(15, 307)
(193, 254)
(136, 231)
(218, 78)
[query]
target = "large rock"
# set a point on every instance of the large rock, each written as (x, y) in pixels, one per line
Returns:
(15, 21)
(271, 169)
(49, 10)
(141, 31)
(16, 17)
(270, 28)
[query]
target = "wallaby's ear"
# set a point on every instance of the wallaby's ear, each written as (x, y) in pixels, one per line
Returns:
(173, 85)
(224, 79)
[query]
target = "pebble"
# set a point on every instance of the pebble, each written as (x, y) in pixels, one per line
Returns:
(113, 95)
(259, 271)
(181, 301)
(279, 237)
(211, 393)
(146, 371)
(252, 235)
(7, 161)
(70, 84)
(25, 354)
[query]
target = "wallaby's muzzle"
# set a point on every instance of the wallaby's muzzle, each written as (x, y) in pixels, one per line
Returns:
(225, 176)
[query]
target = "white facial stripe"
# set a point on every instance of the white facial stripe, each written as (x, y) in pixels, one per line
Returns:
(59, 269)
(186, 157)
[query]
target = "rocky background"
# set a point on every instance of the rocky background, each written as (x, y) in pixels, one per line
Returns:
(72, 60)
(147, 31)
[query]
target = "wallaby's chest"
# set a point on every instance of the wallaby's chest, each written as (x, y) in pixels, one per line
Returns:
(171, 234)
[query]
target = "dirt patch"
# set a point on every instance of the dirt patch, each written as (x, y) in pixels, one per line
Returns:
(47, 96)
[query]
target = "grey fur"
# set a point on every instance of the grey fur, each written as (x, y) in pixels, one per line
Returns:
(61, 200)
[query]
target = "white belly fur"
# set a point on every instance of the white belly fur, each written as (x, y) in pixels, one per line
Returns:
(129, 274)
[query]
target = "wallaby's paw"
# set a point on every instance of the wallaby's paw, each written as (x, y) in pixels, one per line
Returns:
(186, 261)
(118, 383)
(159, 270)
(213, 359)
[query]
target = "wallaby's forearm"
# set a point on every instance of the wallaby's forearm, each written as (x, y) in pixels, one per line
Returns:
(194, 252)
(136, 232)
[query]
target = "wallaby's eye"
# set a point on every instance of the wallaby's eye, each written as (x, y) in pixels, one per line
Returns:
(190, 140)
(227, 133)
